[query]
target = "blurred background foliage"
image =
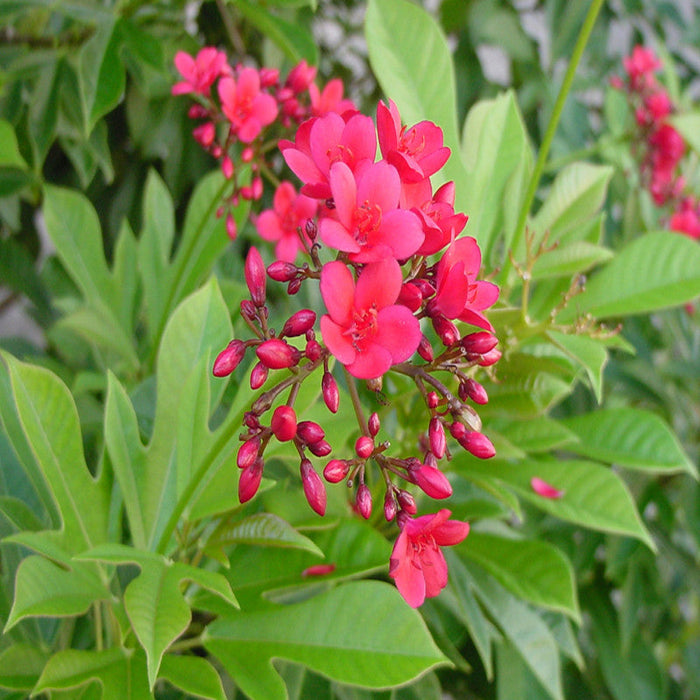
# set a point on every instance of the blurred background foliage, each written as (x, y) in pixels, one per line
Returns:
(85, 90)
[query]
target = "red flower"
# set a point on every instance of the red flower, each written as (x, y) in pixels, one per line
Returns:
(248, 109)
(459, 294)
(322, 141)
(281, 223)
(417, 152)
(364, 328)
(330, 99)
(370, 226)
(417, 565)
(686, 221)
(199, 73)
(640, 66)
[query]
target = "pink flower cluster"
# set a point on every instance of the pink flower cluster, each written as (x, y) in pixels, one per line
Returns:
(662, 147)
(396, 277)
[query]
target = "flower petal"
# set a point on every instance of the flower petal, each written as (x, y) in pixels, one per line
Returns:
(338, 291)
(405, 569)
(335, 235)
(372, 362)
(336, 341)
(379, 284)
(398, 331)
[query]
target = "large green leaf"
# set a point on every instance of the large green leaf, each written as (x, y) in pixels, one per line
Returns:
(45, 589)
(44, 111)
(121, 673)
(629, 437)
(194, 675)
(540, 435)
(154, 601)
(533, 570)
(50, 423)
(569, 259)
(594, 496)
(655, 271)
(21, 666)
(9, 149)
(421, 83)
(360, 633)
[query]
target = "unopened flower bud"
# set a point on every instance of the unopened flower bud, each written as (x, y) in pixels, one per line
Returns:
(479, 343)
(375, 384)
(247, 154)
(249, 481)
(329, 389)
(231, 227)
(258, 376)
(430, 459)
(426, 289)
(282, 271)
(299, 323)
(407, 502)
(256, 187)
(425, 349)
(390, 507)
(269, 77)
(277, 354)
(318, 570)
(436, 435)
(197, 111)
(205, 134)
(473, 390)
(363, 501)
(478, 444)
(446, 330)
(313, 350)
(374, 424)
(284, 423)
(314, 490)
(229, 358)
(248, 452)
(227, 167)
(248, 310)
(545, 489)
(410, 296)
(458, 430)
(250, 420)
(364, 446)
(490, 358)
(255, 276)
(432, 481)
(336, 470)
(322, 448)
(311, 229)
(294, 286)
(432, 399)
(309, 432)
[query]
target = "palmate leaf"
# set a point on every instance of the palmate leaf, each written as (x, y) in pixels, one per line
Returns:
(360, 633)
(156, 607)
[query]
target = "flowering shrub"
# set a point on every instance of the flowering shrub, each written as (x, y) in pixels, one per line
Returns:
(267, 299)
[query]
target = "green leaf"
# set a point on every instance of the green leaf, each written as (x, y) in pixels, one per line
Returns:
(594, 496)
(156, 607)
(629, 437)
(44, 111)
(514, 677)
(569, 259)
(578, 192)
(361, 633)
(262, 530)
(655, 271)
(9, 149)
(18, 514)
(531, 569)
(540, 435)
(44, 589)
(50, 423)
(121, 673)
(587, 352)
(495, 149)
(408, 76)
(688, 124)
(293, 38)
(20, 666)
(194, 675)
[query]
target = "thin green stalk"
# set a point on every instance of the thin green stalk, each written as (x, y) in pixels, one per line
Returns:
(581, 42)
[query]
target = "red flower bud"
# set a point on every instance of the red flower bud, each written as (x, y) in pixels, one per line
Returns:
(430, 459)
(410, 296)
(229, 358)
(311, 229)
(299, 323)
(255, 276)
(425, 349)
(258, 376)
(310, 432)
(407, 502)
(336, 470)
(426, 289)
(479, 343)
(247, 154)
(364, 446)
(227, 167)
(205, 134)
(294, 286)
(458, 430)
(248, 452)
(478, 444)
(269, 77)
(249, 481)
(314, 490)
(257, 187)
(432, 481)
(284, 423)
(490, 358)
(473, 390)
(436, 435)
(446, 330)
(197, 111)
(390, 508)
(277, 354)
(313, 350)
(320, 448)
(363, 501)
(373, 424)
(281, 271)
(432, 399)
(231, 227)
(331, 395)
(318, 570)
(248, 310)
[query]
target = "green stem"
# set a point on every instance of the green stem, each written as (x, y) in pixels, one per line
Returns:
(356, 403)
(581, 42)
